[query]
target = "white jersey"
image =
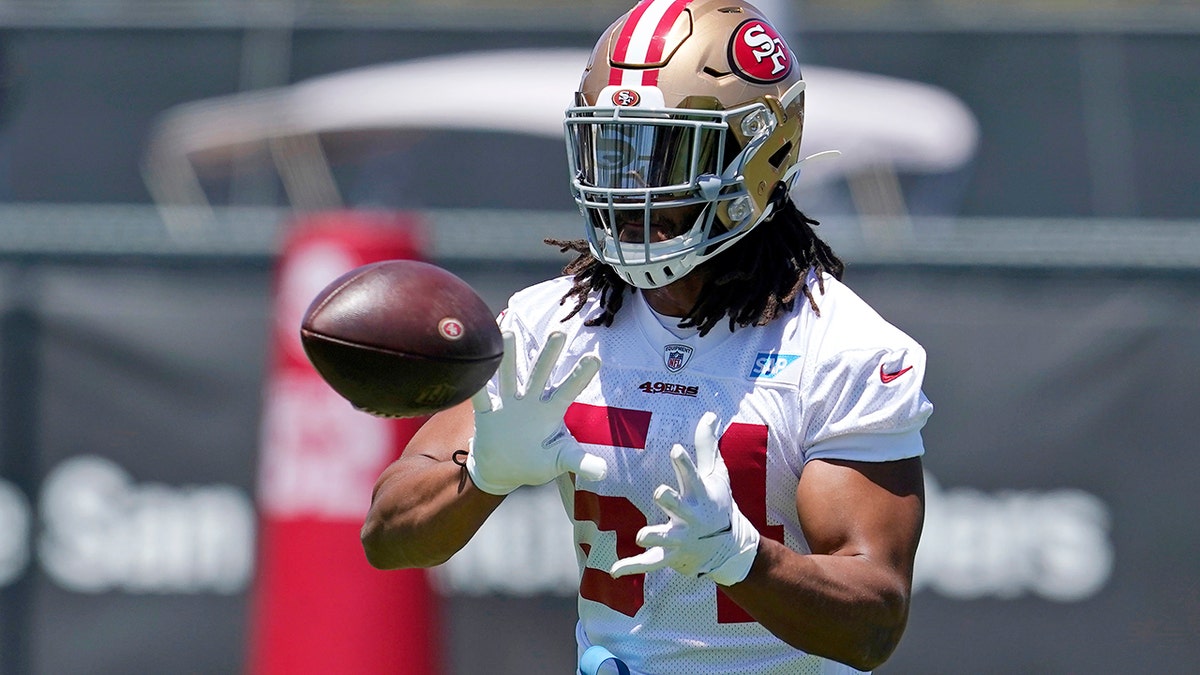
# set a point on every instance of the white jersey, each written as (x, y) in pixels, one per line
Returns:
(844, 384)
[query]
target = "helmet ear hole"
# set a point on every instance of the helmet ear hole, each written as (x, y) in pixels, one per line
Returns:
(776, 159)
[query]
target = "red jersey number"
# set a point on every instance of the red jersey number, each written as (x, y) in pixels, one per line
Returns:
(743, 447)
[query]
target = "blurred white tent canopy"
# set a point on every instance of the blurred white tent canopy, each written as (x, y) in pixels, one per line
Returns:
(876, 122)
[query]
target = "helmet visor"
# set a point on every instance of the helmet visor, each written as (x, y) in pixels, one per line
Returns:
(657, 155)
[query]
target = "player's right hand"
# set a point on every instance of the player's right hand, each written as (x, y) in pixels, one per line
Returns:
(524, 441)
(705, 533)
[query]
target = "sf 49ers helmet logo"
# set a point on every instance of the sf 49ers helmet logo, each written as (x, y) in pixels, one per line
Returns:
(758, 54)
(626, 98)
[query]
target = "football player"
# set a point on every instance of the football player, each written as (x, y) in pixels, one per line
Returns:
(735, 435)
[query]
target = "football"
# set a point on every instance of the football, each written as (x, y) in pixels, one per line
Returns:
(401, 338)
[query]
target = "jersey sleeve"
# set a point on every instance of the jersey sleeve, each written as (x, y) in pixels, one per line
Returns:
(867, 405)
(528, 316)
(510, 322)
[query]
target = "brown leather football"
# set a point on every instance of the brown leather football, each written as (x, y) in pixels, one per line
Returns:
(402, 338)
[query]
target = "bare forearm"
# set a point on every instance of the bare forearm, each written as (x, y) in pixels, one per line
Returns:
(422, 512)
(841, 607)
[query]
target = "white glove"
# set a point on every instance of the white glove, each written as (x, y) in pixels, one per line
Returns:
(705, 533)
(524, 441)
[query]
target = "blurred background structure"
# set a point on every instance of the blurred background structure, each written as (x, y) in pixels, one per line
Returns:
(1017, 190)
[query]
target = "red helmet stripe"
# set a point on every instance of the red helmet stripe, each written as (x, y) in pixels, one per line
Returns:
(643, 38)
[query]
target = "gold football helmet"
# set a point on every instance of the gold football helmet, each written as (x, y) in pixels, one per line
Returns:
(688, 116)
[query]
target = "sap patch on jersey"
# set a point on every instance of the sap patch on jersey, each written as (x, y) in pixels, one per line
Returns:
(768, 365)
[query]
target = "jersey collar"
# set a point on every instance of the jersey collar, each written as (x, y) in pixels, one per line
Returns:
(659, 336)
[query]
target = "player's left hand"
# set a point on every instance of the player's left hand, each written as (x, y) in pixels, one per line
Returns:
(705, 534)
(524, 441)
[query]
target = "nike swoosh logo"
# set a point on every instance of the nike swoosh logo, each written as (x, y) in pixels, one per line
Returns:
(886, 377)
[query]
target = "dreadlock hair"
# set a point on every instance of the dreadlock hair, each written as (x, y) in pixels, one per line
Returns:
(759, 277)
